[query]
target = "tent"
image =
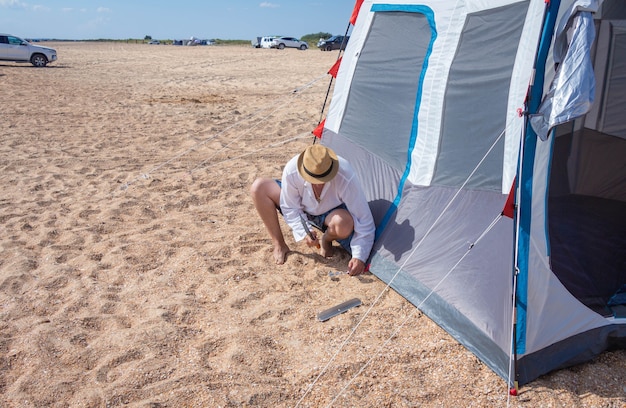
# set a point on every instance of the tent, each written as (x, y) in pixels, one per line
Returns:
(490, 139)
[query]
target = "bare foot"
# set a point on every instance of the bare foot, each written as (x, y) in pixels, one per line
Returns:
(327, 249)
(280, 254)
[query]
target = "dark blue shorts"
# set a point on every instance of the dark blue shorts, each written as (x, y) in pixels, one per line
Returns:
(318, 222)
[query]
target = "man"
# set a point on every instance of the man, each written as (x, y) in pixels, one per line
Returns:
(323, 189)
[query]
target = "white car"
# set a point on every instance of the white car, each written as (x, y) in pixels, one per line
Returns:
(15, 49)
(289, 42)
(266, 42)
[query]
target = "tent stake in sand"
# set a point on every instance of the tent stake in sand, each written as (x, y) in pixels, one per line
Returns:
(339, 309)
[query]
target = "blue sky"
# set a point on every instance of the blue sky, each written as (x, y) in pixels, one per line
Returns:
(122, 19)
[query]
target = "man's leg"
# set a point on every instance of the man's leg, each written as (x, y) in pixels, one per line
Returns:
(339, 225)
(266, 197)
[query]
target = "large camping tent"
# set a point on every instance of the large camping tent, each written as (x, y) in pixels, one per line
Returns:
(457, 113)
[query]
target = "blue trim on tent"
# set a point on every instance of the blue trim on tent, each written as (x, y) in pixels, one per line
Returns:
(430, 17)
(526, 178)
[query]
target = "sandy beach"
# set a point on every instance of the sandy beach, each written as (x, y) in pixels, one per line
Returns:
(135, 272)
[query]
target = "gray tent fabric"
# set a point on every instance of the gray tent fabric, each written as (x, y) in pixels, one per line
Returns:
(379, 112)
(480, 63)
(612, 96)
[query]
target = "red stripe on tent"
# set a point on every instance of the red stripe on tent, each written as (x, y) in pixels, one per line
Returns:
(319, 129)
(509, 206)
(355, 11)
(335, 68)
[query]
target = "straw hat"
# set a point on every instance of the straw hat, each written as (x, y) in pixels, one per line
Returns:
(318, 164)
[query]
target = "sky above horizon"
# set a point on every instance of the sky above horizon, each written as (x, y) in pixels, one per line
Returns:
(123, 19)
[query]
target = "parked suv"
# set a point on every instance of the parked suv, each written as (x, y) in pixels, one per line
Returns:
(15, 49)
(333, 43)
(289, 42)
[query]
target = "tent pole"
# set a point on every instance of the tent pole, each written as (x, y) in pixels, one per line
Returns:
(341, 50)
(515, 383)
(528, 143)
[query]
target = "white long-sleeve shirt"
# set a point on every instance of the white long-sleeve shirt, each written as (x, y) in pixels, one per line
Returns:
(297, 197)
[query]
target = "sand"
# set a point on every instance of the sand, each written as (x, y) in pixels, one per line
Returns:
(135, 272)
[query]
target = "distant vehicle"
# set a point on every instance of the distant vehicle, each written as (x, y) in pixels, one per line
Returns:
(288, 42)
(15, 49)
(266, 42)
(154, 42)
(333, 43)
(193, 41)
(256, 43)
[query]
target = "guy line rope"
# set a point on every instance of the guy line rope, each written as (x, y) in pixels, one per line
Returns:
(276, 107)
(384, 290)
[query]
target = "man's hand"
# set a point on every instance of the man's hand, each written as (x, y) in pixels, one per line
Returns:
(312, 242)
(355, 267)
